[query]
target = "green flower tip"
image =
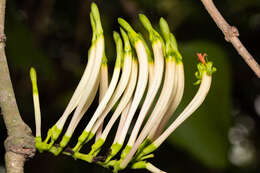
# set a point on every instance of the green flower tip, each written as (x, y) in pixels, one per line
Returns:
(125, 25)
(133, 36)
(164, 27)
(126, 40)
(96, 16)
(33, 75)
(204, 66)
(118, 41)
(171, 47)
(119, 48)
(146, 22)
(94, 10)
(154, 35)
(93, 25)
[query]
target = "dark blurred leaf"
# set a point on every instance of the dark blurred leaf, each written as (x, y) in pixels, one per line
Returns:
(205, 133)
(22, 50)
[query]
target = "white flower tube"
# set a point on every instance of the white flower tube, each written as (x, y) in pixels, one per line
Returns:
(122, 84)
(124, 105)
(177, 97)
(178, 84)
(36, 103)
(204, 75)
(97, 52)
(103, 86)
(157, 46)
(87, 131)
(142, 76)
(160, 108)
(193, 105)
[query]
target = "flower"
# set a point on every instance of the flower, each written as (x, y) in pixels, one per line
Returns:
(136, 70)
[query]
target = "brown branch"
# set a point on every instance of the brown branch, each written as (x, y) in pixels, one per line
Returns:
(231, 35)
(19, 144)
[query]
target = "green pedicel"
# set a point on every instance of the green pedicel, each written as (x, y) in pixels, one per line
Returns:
(57, 150)
(147, 157)
(84, 157)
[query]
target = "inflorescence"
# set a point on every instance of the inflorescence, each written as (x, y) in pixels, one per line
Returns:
(157, 77)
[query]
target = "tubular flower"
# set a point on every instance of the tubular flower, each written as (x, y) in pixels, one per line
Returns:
(138, 75)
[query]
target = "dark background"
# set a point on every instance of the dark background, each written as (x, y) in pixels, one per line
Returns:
(54, 37)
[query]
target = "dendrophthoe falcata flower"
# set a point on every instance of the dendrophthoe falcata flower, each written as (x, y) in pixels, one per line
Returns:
(138, 73)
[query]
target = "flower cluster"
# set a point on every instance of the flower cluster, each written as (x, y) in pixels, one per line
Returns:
(157, 77)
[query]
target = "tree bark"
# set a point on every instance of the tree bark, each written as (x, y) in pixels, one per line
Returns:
(231, 35)
(19, 144)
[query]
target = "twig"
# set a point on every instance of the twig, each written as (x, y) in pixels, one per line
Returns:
(19, 144)
(231, 35)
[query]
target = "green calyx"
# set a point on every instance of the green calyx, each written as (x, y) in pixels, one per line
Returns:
(149, 156)
(53, 134)
(90, 136)
(82, 138)
(147, 150)
(39, 145)
(119, 48)
(65, 140)
(139, 165)
(95, 148)
(33, 76)
(115, 148)
(207, 68)
(144, 144)
(125, 151)
(56, 150)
